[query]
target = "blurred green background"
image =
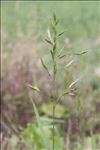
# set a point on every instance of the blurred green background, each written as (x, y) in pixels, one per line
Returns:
(24, 26)
(82, 17)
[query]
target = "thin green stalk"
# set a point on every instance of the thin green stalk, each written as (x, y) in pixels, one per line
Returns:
(54, 88)
(53, 114)
(53, 138)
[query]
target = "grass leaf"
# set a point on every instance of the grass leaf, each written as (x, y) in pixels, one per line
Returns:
(49, 35)
(44, 138)
(70, 63)
(62, 56)
(55, 69)
(35, 88)
(45, 67)
(60, 51)
(73, 83)
(81, 53)
(48, 41)
(61, 33)
(52, 54)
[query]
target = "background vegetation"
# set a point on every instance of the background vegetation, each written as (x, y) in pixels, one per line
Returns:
(24, 26)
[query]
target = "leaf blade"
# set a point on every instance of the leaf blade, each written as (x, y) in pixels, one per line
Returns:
(49, 41)
(74, 82)
(70, 63)
(35, 88)
(81, 53)
(60, 34)
(43, 135)
(45, 67)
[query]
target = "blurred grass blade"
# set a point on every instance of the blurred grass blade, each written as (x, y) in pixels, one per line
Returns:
(54, 17)
(44, 138)
(45, 67)
(65, 93)
(35, 88)
(73, 83)
(49, 35)
(60, 53)
(55, 20)
(81, 53)
(50, 120)
(61, 33)
(70, 63)
(55, 69)
(52, 54)
(49, 41)
(62, 56)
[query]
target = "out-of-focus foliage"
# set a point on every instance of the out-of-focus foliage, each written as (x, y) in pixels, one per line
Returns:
(80, 18)
(23, 27)
(33, 139)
